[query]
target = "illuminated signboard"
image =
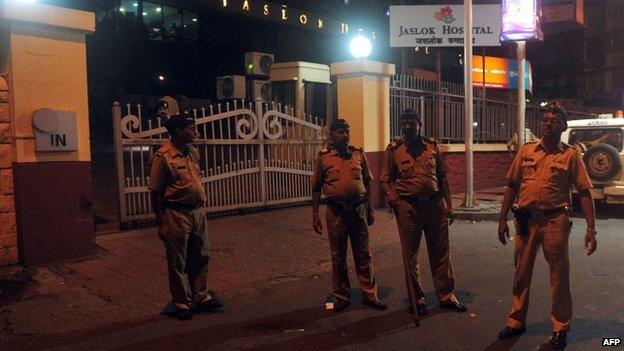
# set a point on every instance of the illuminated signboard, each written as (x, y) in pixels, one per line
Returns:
(500, 73)
(520, 21)
(282, 14)
(443, 25)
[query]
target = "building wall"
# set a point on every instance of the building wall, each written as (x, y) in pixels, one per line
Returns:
(490, 168)
(603, 56)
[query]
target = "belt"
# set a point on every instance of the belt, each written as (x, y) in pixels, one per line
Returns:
(344, 206)
(426, 198)
(536, 212)
(179, 207)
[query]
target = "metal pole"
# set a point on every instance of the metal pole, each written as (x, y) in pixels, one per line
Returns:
(119, 165)
(440, 97)
(469, 200)
(521, 93)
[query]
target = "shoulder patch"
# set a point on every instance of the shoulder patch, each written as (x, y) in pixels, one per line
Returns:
(394, 144)
(194, 151)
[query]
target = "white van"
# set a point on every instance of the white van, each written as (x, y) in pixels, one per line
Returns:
(601, 142)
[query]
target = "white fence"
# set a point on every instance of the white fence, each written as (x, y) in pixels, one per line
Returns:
(252, 155)
(441, 105)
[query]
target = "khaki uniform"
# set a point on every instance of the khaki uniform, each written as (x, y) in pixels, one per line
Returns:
(343, 183)
(545, 178)
(414, 176)
(176, 176)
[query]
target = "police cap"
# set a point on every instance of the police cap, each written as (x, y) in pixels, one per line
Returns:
(411, 114)
(556, 109)
(178, 121)
(339, 124)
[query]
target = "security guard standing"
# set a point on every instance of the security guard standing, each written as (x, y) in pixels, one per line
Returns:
(541, 176)
(413, 177)
(178, 199)
(342, 172)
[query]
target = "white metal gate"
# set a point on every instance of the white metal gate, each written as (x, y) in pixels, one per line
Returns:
(252, 155)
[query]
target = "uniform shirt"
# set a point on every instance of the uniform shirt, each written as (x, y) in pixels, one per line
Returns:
(545, 176)
(413, 175)
(177, 176)
(341, 179)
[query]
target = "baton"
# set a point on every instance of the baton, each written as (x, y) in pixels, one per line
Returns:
(408, 281)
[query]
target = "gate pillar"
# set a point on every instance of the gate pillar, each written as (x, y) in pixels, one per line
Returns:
(363, 99)
(43, 58)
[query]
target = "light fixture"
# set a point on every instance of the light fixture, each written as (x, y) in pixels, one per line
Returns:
(158, 9)
(144, 13)
(136, 4)
(121, 9)
(161, 78)
(544, 103)
(194, 19)
(360, 47)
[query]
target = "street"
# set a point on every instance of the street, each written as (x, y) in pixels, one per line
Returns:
(274, 275)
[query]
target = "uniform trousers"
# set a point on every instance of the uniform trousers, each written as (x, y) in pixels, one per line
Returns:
(186, 245)
(552, 233)
(413, 218)
(344, 225)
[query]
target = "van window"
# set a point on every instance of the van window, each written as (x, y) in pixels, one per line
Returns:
(591, 137)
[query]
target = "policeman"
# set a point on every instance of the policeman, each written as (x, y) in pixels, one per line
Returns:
(413, 177)
(178, 199)
(342, 173)
(541, 176)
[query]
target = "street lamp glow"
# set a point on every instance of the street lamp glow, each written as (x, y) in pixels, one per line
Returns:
(360, 47)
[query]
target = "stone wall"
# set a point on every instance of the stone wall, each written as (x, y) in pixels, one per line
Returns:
(8, 229)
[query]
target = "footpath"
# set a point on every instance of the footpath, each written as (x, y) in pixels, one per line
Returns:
(274, 275)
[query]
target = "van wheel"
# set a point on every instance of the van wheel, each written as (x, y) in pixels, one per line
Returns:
(603, 162)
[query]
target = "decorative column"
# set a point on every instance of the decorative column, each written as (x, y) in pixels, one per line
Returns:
(364, 101)
(8, 228)
(44, 60)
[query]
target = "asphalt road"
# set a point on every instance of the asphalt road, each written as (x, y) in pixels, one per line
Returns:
(285, 311)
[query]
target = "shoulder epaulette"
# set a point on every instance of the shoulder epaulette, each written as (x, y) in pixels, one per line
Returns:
(394, 144)
(324, 150)
(162, 150)
(354, 148)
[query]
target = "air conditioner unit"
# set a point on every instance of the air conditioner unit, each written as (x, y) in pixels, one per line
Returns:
(258, 63)
(230, 87)
(260, 89)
